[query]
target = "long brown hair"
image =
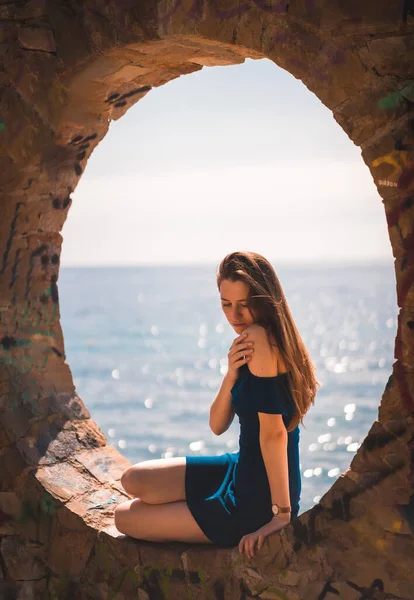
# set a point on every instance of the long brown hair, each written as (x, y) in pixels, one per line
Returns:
(268, 301)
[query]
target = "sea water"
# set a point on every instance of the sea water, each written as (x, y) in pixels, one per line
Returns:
(147, 347)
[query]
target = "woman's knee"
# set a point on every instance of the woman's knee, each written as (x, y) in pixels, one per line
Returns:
(120, 514)
(133, 480)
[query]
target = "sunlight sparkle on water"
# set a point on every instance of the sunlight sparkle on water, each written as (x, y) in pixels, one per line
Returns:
(332, 364)
(353, 447)
(349, 409)
(333, 472)
(203, 330)
(313, 472)
(344, 440)
(331, 422)
(169, 453)
(197, 446)
(223, 366)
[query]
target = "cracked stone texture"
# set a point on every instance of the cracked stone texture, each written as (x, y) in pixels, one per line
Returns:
(68, 69)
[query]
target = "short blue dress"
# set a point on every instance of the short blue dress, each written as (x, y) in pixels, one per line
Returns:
(229, 494)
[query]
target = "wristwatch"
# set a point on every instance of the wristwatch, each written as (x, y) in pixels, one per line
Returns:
(276, 509)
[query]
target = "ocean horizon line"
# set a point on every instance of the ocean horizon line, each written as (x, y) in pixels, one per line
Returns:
(291, 264)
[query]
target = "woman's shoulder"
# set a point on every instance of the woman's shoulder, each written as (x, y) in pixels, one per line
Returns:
(266, 359)
(255, 329)
(258, 334)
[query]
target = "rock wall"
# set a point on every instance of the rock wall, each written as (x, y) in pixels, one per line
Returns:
(68, 68)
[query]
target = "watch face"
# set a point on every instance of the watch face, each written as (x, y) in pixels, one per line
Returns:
(275, 509)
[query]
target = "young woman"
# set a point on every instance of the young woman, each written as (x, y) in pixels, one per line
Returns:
(236, 498)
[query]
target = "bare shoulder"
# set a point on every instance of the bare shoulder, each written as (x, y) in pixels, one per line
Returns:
(265, 359)
(257, 333)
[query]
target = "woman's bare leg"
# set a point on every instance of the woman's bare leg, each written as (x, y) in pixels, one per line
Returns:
(167, 522)
(156, 481)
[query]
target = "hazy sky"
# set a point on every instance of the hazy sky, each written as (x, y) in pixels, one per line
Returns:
(231, 158)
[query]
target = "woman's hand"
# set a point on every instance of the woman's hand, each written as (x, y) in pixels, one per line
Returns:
(239, 353)
(247, 543)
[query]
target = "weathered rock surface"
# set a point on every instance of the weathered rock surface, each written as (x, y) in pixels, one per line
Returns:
(68, 69)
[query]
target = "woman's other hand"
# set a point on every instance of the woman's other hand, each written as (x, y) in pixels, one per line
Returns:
(247, 543)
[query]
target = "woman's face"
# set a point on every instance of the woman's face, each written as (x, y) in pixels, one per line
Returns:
(234, 302)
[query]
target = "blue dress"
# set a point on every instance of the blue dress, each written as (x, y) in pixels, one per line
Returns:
(229, 495)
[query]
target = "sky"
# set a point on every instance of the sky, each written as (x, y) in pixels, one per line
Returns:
(241, 157)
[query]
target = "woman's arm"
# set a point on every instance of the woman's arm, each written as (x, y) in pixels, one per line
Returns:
(273, 435)
(221, 411)
(274, 452)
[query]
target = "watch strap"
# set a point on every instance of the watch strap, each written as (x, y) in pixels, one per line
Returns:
(282, 509)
